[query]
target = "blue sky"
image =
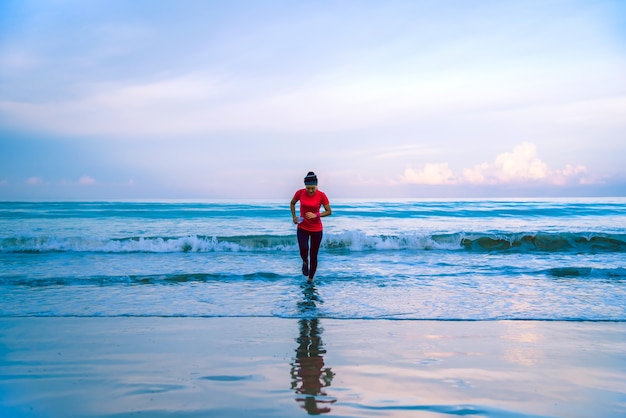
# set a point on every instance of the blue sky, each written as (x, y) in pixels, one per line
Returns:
(212, 99)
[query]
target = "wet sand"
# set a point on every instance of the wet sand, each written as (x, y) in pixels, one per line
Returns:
(272, 367)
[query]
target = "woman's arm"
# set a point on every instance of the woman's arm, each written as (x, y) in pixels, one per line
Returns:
(327, 211)
(292, 205)
(312, 215)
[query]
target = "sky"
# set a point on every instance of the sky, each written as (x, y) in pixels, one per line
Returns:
(238, 99)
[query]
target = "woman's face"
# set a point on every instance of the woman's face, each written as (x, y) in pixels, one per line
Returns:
(310, 190)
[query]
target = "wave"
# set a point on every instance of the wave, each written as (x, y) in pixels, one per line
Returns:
(587, 272)
(586, 242)
(190, 243)
(583, 242)
(472, 208)
(143, 279)
(575, 272)
(134, 210)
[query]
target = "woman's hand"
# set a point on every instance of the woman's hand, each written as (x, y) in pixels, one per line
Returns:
(310, 215)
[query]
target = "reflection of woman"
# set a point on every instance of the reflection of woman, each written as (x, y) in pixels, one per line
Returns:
(308, 375)
(310, 223)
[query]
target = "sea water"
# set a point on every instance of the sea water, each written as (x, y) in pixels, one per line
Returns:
(531, 259)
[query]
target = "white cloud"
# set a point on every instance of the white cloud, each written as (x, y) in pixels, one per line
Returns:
(86, 181)
(561, 177)
(402, 151)
(339, 101)
(519, 166)
(34, 181)
(439, 173)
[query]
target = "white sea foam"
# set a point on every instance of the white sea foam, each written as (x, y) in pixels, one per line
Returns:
(347, 241)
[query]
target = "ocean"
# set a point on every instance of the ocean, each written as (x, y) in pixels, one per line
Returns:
(473, 260)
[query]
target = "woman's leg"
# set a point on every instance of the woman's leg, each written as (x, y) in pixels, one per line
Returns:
(316, 240)
(303, 243)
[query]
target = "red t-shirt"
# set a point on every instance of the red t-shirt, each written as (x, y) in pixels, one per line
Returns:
(311, 204)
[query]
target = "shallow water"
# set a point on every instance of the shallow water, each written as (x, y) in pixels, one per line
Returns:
(272, 367)
(548, 259)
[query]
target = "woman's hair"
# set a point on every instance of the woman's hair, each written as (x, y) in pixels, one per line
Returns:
(310, 179)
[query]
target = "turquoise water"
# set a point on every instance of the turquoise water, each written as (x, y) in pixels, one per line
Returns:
(546, 259)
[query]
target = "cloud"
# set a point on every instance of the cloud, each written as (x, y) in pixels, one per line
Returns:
(202, 104)
(86, 181)
(34, 181)
(402, 151)
(439, 173)
(522, 165)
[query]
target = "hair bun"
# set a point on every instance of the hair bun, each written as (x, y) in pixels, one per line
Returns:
(310, 179)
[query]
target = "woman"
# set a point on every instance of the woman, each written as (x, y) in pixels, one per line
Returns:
(309, 222)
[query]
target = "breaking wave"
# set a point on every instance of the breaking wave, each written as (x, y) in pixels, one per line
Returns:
(583, 242)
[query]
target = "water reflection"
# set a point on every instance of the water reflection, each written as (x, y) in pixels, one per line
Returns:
(309, 377)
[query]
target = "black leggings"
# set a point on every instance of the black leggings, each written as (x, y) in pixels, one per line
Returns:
(303, 242)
